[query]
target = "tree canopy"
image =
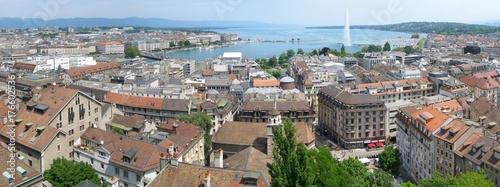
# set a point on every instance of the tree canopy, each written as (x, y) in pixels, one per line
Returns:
(389, 160)
(387, 47)
(201, 120)
(132, 52)
(342, 51)
(294, 165)
(290, 53)
(300, 51)
(467, 179)
(66, 173)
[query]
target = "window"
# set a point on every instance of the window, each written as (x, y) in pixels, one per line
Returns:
(71, 132)
(58, 148)
(125, 185)
(138, 178)
(77, 155)
(96, 109)
(91, 161)
(71, 143)
(82, 127)
(59, 125)
(71, 154)
(117, 171)
(102, 154)
(359, 135)
(102, 166)
(30, 162)
(359, 127)
(125, 174)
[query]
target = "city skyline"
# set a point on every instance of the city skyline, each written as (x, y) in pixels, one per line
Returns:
(294, 13)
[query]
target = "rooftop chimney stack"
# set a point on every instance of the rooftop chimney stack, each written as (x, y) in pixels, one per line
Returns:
(207, 179)
(219, 158)
(175, 126)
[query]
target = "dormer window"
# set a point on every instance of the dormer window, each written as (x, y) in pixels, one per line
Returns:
(28, 125)
(127, 157)
(497, 155)
(40, 109)
(22, 172)
(474, 149)
(38, 132)
(102, 154)
(8, 177)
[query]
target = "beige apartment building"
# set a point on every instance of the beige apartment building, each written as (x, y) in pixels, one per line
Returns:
(351, 120)
(47, 126)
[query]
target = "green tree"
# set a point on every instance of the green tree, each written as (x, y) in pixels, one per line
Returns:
(291, 164)
(389, 160)
(415, 35)
(356, 169)
(171, 44)
(66, 173)
(379, 178)
(205, 122)
(474, 179)
(290, 53)
(329, 172)
(387, 47)
(313, 52)
(187, 43)
(342, 51)
(300, 51)
(132, 52)
(117, 130)
(273, 61)
(409, 50)
(407, 184)
(437, 180)
(276, 73)
(257, 60)
(180, 43)
(282, 59)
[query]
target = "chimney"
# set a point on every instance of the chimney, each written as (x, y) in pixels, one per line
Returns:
(219, 158)
(207, 179)
(175, 126)
(174, 160)
(171, 148)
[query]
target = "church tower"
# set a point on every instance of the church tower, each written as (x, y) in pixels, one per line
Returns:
(273, 120)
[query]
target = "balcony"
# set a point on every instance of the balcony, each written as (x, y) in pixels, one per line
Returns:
(85, 148)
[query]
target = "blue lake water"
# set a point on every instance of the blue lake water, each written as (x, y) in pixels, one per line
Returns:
(309, 39)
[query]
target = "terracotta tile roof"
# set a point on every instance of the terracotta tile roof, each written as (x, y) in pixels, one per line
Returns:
(452, 131)
(146, 158)
(232, 76)
(485, 80)
(208, 72)
(451, 105)
(301, 65)
(250, 159)
(148, 102)
(55, 102)
(100, 66)
(308, 82)
(295, 105)
(348, 98)
(304, 133)
(240, 133)
(436, 117)
(22, 65)
(246, 133)
(3, 109)
(467, 145)
(128, 121)
(184, 133)
(481, 105)
(110, 43)
(192, 175)
(4, 163)
(264, 83)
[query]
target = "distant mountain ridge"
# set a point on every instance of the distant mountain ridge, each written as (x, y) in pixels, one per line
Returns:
(24, 23)
(426, 27)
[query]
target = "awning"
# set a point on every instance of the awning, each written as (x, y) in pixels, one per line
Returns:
(370, 145)
(380, 144)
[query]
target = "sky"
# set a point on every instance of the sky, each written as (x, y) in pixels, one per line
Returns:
(293, 12)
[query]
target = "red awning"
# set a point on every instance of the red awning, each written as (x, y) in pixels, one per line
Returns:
(370, 145)
(380, 144)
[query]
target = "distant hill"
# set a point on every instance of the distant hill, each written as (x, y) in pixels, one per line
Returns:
(427, 27)
(20, 23)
